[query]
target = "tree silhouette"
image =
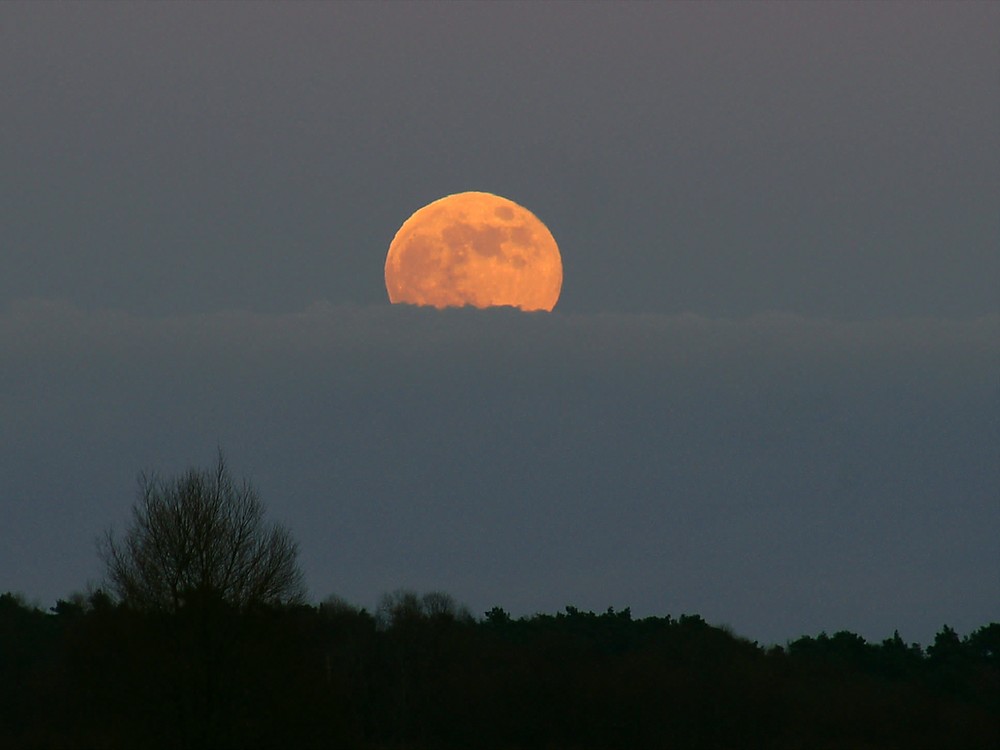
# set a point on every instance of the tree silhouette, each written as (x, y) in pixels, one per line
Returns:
(96, 673)
(208, 644)
(198, 538)
(197, 565)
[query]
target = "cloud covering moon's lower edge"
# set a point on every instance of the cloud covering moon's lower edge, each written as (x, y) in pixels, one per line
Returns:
(781, 474)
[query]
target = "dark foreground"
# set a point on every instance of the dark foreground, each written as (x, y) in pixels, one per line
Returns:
(424, 675)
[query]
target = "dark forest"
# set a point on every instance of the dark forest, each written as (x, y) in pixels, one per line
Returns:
(202, 638)
(422, 674)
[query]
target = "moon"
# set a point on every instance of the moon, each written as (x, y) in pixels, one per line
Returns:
(474, 249)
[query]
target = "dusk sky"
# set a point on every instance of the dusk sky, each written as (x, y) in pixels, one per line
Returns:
(769, 392)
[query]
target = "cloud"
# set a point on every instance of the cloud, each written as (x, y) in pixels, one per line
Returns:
(782, 474)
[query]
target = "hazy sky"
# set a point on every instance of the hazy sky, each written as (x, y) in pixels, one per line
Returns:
(770, 392)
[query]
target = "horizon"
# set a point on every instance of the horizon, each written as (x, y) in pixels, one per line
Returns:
(766, 394)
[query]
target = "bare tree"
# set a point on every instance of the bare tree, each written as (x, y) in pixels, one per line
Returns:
(201, 537)
(398, 608)
(438, 604)
(403, 606)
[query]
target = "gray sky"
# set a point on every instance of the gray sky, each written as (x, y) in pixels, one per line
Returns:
(769, 393)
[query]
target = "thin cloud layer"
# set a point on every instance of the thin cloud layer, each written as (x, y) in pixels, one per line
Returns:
(781, 474)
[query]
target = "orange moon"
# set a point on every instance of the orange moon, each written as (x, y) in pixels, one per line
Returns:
(474, 249)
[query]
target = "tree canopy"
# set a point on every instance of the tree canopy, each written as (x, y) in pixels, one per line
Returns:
(201, 537)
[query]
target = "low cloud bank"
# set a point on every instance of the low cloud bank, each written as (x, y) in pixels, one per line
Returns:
(781, 474)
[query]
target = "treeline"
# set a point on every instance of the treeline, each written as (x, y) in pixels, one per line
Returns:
(203, 640)
(420, 672)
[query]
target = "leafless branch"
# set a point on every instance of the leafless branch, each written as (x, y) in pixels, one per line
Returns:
(201, 536)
